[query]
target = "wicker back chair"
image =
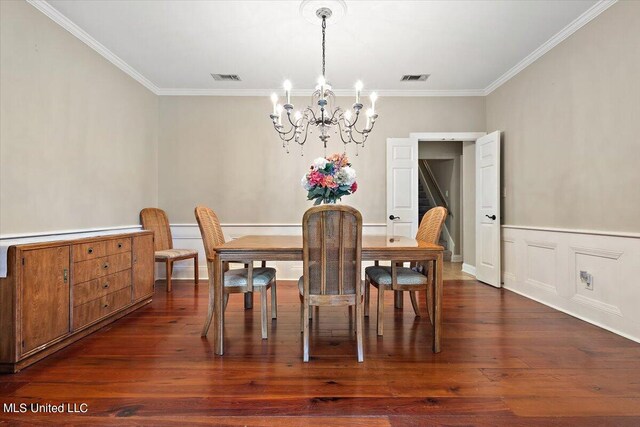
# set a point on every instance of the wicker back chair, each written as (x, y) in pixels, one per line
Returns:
(156, 220)
(431, 225)
(418, 277)
(239, 280)
(332, 259)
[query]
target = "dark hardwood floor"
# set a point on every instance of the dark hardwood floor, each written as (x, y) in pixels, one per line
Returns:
(506, 360)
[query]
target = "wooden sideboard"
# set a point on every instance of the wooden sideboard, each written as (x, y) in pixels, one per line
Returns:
(58, 292)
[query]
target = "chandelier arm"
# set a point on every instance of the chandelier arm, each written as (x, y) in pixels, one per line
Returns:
(283, 135)
(336, 111)
(306, 132)
(341, 133)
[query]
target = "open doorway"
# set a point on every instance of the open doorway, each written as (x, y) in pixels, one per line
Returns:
(456, 163)
(440, 184)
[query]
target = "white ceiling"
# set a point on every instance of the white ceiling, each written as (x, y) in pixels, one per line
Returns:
(466, 46)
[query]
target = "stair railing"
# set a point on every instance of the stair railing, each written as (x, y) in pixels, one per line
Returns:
(445, 230)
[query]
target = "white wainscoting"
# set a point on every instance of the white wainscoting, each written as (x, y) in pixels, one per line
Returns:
(545, 264)
(187, 236)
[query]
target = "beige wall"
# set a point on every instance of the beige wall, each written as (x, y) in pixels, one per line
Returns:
(78, 137)
(571, 127)
(223, 152)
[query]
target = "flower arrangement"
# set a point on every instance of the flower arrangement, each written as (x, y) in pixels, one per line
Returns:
(329, 179)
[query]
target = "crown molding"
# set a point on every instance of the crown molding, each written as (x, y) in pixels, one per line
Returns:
(308, 92)
(574, 26)
(68, 25)
(567, 31)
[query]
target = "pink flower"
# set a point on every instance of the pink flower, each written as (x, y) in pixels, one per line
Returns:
(329, 182)
(316, 178)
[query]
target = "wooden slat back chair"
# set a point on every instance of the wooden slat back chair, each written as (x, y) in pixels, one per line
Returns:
(332, 259)
(239, 280)
(398, 278)
(156, 220)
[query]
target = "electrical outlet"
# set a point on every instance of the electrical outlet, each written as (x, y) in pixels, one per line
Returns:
(586, 279)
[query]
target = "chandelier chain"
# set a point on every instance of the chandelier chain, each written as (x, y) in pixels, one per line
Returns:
(324, 27)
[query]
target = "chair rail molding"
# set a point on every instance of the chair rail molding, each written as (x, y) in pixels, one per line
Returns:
(545, 264)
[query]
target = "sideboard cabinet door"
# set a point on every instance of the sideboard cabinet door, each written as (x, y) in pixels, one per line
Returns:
(45, 296)
(143, 266)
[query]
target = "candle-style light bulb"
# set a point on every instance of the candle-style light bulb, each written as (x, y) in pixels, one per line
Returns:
(274, 101)
(359, 87)
(279, 109)
(297, 116)
(287, 90)
(321, 82)
(369, 115)
(373, 97)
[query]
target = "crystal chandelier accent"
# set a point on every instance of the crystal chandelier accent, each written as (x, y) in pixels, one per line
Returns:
(323, 112)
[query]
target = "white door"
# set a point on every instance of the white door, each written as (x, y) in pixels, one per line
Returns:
(402, 187)
(488, 209)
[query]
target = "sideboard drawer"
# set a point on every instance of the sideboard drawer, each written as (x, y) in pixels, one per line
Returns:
(117, 246)
(89, 250)
(101, 307)
(93, 289)
(100, 267)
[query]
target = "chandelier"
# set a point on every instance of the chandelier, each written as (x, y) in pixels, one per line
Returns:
(322, 113)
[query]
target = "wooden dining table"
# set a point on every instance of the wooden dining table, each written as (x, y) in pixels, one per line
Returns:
(248, 249)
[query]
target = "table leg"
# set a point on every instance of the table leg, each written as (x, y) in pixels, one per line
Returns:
(207, 321)
(248, 300)
(397, 299)
(437, 303)
(218, 322)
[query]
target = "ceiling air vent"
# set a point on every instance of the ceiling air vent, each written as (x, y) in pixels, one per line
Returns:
(225, 77)
(415, 77)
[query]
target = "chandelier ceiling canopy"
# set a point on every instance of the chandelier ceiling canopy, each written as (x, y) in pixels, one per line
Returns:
(323, 114)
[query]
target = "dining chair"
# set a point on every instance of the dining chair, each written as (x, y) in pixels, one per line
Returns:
(238, 280)
(415, 278)
(156, 220)
(332, 259)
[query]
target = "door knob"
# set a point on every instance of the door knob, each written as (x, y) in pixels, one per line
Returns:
(391, 217)
(493, 217)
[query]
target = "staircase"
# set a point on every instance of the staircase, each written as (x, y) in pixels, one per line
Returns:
(426, 201)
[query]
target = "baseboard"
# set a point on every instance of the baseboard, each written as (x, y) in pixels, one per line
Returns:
(456, 258)
(469, 269)
(545, 264)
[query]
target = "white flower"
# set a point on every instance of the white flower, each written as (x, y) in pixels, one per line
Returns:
(305, 182)
(346, 176)
(319, 163)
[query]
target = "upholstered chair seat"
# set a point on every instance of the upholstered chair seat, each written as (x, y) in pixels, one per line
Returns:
(238, 276)
(176, 253)
(405, 276)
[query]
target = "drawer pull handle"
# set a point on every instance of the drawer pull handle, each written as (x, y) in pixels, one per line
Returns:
(65, 275)
(106, 265)
(90, 250)
(105, 286)
(119, 245)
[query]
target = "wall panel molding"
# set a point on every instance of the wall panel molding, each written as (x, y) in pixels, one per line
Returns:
(545, 264)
